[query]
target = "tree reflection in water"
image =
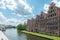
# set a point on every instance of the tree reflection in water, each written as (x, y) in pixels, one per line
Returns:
(13, 34)
(31, 37)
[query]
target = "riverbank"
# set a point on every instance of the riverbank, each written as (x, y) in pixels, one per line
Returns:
(14, 34)
(42, 35)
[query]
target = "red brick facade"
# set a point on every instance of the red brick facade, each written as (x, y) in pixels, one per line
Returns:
(31, 25)
(46, 23)
(53, 20)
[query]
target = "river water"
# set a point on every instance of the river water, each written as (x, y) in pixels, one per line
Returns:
(13, 34)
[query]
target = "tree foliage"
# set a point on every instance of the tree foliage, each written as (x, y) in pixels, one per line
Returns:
(21, 26)
(10, 26)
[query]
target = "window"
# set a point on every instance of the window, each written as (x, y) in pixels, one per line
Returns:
(55, 14)
(51, 15)
(51, 10)
(56, 27)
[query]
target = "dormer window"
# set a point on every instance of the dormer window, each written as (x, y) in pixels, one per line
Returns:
(51, 9)
(52, 12)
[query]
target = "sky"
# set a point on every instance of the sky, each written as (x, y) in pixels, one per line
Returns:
(14, 12)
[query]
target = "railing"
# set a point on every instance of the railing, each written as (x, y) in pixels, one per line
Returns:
(3, 36)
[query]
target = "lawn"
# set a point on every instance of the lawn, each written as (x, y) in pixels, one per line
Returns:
(42, 35)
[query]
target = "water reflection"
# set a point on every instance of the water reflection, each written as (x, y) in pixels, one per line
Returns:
(13, 34)
(31, 37)
(21, 36)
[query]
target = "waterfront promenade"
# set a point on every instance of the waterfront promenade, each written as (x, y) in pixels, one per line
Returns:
(3, 36)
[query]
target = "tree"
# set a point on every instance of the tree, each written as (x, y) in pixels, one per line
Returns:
(21, 26)
(24, 26)
(10, 26)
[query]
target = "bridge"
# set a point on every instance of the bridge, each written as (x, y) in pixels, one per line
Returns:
(3, 36)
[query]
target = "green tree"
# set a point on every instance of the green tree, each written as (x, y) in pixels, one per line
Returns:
(24, 26)
(21, 26)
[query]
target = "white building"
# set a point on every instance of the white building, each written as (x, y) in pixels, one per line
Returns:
(2, 27)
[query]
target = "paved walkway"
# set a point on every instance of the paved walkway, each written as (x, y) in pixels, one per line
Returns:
(2, 36)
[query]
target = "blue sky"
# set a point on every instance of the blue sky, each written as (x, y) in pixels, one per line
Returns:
(13, 12)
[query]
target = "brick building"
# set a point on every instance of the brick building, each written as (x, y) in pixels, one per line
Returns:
(46, 23)
(42, 23)
(28, 24)
(37, 23)
(53, 20)
(31, 25)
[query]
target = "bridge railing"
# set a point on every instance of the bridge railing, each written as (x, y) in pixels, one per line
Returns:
(3, 36)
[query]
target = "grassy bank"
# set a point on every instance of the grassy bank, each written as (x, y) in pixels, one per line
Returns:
(42, 35)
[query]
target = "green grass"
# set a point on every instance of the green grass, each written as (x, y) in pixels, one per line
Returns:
(42, 35)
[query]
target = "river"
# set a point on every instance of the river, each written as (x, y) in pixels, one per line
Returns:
(13, 34)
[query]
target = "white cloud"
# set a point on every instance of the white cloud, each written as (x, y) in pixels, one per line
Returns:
(20, 15)
(10, 21)
(54, 1)
(2, 4)
(11, 4)
(2, 16)
(11, 7)
(26, 5)
(57, 2)
(46, 7)
(20, 8)
(13, 21)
